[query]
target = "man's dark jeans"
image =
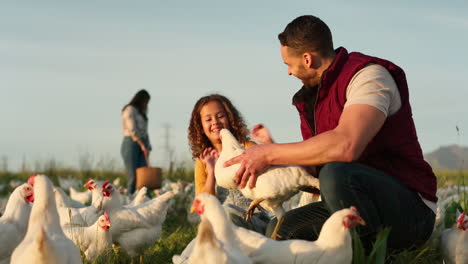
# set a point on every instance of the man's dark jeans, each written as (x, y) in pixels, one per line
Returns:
(383, 201)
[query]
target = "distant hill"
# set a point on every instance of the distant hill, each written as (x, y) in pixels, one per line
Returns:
(451, 157)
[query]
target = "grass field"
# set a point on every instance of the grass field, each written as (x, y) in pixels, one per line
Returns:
(177, 232)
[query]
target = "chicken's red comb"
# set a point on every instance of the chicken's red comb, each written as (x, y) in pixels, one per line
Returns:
(460, 220)
(354, 209)
(87, 184)
(31, 179)
(104, 185)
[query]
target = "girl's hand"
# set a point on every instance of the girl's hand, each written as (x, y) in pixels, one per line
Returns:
(209, 157)
(261, 134)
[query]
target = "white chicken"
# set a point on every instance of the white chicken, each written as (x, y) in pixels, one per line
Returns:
(223, 241)
(14, 221)
(64, 200)
(84, 216)
(276, 185)
(454, 242)
(95, 188)
(208, 249)
(82, 197)
(116, 182)
(334, 244)
(135, 228)
(93, 240)
(45, 241)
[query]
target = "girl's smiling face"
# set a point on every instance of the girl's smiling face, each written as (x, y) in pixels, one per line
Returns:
(213, 119)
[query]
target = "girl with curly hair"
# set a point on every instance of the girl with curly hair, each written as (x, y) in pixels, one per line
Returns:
(211, 114)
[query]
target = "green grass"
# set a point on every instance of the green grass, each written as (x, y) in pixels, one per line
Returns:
(177, 232)
(449, 177)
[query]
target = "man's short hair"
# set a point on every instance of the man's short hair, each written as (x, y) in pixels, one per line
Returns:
(307, 33)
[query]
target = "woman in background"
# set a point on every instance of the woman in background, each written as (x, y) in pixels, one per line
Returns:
(135, 145)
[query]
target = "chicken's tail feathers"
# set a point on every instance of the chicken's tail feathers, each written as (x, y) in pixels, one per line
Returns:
(158, 204)
(313, 184)
(310, 189)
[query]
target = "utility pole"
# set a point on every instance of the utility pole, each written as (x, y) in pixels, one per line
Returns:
(4, 166)
(169, 151)
(24, 167)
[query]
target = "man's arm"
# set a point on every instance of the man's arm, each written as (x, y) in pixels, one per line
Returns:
(357, 126)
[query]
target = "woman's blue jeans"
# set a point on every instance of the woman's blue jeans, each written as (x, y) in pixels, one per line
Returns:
(133, 158)
(382, 200)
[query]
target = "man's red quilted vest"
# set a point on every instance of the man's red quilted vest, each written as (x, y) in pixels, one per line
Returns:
(395, 149)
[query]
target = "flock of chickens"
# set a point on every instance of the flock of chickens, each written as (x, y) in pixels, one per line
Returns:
(42, 224)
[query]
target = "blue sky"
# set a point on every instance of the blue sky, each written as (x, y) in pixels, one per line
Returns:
(67, 68)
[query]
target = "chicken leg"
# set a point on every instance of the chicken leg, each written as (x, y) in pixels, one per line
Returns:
(254, 204)
(279, 213)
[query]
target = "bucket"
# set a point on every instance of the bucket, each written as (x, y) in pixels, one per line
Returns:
(151, 177)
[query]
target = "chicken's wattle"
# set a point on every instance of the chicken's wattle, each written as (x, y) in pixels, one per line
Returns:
(460, 221)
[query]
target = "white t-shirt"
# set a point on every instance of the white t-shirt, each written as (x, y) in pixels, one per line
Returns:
(133, 124)
(374, 85)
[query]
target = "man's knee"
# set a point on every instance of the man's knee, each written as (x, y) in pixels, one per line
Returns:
(338, 177)
(332, 173)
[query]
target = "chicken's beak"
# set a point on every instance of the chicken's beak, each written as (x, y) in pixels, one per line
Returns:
(362, 222)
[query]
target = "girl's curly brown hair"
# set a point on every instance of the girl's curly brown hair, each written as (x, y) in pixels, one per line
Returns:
(198, 141)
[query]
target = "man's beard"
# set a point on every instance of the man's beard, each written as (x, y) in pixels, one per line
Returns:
(309, 79)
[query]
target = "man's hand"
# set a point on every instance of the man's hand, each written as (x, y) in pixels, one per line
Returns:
(252, 163)
(261, 134)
